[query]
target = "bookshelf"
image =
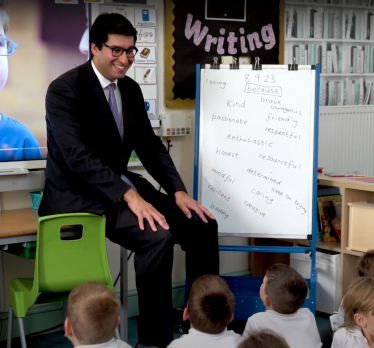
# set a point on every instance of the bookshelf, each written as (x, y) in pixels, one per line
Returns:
(351, 191)
(339, 35)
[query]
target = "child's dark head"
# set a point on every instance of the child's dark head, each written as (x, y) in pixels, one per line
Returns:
(210, 304)
(365, 264)
(264, 339)
(284, 289)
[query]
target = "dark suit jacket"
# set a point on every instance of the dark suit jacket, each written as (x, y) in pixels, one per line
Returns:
(86, 156)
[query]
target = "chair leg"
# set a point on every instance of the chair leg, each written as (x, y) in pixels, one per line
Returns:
(10, 324)
(116, 334)
(22, 333)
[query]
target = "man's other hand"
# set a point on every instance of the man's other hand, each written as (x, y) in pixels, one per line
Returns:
(144, 210)
(186, 204)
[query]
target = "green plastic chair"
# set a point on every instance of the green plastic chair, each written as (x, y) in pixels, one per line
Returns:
(60, 265)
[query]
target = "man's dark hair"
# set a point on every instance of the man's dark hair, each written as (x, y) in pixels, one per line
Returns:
(286, 288)
(110, 23)
(365, 264)
(210, 304)
(264, 339)
(3, 4)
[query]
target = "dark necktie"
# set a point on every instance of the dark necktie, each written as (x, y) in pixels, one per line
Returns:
(119, 122)
(113, 106)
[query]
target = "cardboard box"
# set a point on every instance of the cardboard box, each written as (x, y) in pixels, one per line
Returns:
(361, 226)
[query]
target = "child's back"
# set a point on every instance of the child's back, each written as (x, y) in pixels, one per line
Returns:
(210, 308)
(198, 339)
(299, 329)
(283, 292)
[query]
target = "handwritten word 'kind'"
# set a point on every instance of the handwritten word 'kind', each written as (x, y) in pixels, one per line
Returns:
(267, 35)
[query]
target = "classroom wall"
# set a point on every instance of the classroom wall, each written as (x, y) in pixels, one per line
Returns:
(182, 154)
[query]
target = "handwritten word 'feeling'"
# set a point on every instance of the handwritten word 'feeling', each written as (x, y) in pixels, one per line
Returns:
(267, 35)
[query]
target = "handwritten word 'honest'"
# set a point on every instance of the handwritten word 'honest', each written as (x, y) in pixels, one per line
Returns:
(267, 35)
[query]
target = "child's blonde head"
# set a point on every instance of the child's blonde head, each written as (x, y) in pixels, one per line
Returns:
(93, 313)
(359, 299)
(210, 304)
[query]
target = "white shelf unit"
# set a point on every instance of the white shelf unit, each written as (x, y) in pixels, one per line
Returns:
(339, 35)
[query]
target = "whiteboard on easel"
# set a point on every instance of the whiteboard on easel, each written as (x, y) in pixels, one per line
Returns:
(255, 162)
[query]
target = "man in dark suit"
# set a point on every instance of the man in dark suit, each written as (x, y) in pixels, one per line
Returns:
(95, 118)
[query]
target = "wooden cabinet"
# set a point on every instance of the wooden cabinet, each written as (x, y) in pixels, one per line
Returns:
(352, 190)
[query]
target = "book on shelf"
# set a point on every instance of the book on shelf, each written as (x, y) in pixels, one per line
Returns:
(299, 24)
(333, 212)
(328, 218)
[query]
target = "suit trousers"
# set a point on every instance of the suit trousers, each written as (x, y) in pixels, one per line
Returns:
(154, 257)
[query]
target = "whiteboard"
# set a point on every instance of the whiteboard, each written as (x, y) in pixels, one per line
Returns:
(257, 149)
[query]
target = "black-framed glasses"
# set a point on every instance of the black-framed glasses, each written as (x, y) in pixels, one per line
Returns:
(118, 51)
(7, 46)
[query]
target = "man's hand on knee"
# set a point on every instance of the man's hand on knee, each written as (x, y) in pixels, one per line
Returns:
(144, 210)
(186, 204)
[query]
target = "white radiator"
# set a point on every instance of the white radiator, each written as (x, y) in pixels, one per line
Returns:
(346, 139)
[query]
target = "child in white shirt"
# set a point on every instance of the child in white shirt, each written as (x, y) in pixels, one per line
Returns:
(210, 308)
(358, 304)
(283, 292)
(365, 268)
(92, 317)
(264, 339)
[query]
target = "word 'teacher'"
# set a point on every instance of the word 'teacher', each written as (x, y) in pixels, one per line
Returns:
(256, 150)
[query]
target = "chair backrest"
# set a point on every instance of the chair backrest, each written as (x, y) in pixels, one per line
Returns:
(62, 265)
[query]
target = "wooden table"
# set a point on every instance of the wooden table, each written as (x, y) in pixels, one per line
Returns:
(19, 226)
